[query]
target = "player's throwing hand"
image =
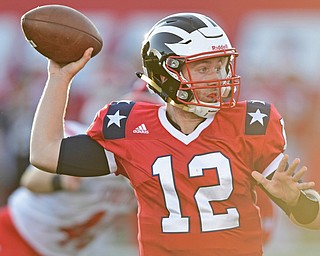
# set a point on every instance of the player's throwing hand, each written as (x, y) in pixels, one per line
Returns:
(71, 69)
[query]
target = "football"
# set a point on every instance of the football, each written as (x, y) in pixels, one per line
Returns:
(60, 33)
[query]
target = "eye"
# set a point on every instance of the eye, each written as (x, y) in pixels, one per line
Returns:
(203, 69)
(218, 69)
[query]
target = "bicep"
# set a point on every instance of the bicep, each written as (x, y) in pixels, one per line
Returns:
(82, 156)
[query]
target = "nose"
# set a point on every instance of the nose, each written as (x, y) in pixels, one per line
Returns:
(213, 84)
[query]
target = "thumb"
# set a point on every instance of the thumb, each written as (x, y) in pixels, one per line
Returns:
(73, 68)
(86, 57)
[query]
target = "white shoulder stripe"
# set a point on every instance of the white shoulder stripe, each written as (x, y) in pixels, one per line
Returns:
(111, 161)
(273, 166)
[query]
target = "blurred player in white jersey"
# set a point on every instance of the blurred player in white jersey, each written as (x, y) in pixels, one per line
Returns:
(55, 215)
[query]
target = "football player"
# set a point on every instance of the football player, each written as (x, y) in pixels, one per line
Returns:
(56, 215)
(193, 162)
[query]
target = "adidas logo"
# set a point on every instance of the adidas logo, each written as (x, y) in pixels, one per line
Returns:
(141, 129)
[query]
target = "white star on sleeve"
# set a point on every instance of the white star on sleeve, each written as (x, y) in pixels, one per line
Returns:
(257, 117)
(115, 119)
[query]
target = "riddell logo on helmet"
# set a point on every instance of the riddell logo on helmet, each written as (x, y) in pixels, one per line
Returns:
(219, 47)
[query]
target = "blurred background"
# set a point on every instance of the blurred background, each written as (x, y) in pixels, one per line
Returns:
(279, 62)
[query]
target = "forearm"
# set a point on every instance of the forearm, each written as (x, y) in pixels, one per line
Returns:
(38, 181)
(47, 129)
(307, 212)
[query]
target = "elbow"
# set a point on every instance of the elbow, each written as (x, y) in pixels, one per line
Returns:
(34, 159)
(45, 155)
(43, 161)
(35, 156)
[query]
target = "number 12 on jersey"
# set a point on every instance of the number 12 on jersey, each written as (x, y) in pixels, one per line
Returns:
(175, 222)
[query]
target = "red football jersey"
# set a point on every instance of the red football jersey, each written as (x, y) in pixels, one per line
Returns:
(195, 192)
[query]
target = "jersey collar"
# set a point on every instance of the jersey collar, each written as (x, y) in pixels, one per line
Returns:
(173, 129)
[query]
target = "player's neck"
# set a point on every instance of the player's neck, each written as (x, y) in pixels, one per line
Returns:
(184, 121)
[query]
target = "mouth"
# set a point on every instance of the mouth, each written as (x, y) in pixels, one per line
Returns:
(214, 97)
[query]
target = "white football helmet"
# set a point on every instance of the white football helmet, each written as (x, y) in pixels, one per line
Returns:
(179, 40)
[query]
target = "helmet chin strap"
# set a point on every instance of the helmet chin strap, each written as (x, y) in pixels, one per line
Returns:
(204, 112)
(149, 81)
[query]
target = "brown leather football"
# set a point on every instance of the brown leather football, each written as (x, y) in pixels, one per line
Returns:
(60, 33)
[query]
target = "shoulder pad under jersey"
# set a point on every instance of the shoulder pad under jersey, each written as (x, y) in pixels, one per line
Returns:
(257, 117)
(114, 122)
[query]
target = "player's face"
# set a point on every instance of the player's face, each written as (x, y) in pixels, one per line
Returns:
(204, 76)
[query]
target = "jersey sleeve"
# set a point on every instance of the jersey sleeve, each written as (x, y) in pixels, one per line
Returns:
(80, 155)
(108, 127)
(265, 124)
(110, 122)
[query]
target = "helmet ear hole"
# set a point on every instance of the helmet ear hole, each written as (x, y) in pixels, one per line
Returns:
(185, 95)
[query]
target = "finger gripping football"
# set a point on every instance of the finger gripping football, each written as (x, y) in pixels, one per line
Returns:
(60, 33)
